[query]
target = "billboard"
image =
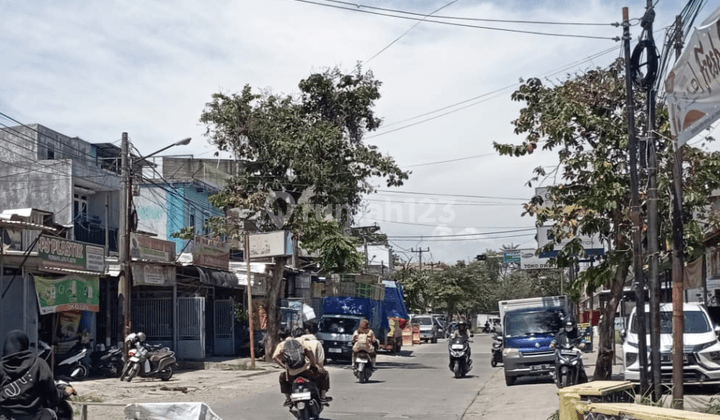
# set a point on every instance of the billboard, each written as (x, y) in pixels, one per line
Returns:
(58, 254)
(529, 261)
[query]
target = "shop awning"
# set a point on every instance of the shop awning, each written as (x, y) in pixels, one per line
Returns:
(218, 278)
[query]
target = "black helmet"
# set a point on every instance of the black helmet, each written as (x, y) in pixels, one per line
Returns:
(569, 324)
(462, 324)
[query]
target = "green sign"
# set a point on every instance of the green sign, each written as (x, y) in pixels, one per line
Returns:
(70, 293)
(61, 254)
(511, 257)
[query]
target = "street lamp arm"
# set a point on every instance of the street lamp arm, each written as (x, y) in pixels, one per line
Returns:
(183, 142)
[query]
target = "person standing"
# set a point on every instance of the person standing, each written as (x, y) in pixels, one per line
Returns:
(27, 387)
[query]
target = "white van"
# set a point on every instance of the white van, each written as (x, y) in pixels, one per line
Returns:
(701, 349)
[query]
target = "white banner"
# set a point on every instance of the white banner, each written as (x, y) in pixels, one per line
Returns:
(693, 85)
(528, 261)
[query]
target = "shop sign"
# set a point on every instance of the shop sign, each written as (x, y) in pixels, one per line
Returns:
(511, 257)
(211, 253)
(148, 248)
(272, 244)
(70, 293)
(529, 261)
(63, 254)
(153, 274)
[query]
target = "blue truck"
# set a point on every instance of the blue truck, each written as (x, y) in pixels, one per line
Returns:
(342, 315)
(528, 327)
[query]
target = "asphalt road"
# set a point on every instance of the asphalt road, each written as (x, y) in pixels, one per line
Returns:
(416, 384)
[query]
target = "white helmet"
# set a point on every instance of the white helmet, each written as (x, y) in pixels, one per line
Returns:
(141, 336)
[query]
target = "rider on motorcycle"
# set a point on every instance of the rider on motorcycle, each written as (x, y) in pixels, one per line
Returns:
(364, 340)
(313, 369)
(569, 336)
(461, 331)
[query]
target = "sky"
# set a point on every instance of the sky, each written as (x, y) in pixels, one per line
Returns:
(98, 69)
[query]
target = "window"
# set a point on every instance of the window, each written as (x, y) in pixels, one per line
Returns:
(80, 207)
(50, 153)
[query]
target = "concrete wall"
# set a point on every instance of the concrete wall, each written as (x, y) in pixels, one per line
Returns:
(151, 210)
(44, 185)
(18, 308)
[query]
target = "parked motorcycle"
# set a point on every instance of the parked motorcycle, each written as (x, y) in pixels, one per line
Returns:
(460, 362)
(147, 361)
(496, 351)
(107, 363)
(305, 399)
(568, 366)
(363, 366)
(72, 365)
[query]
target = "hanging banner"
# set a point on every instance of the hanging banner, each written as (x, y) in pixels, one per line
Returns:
(152, 274)
(70, 293)
(693, 85)
(57, 254)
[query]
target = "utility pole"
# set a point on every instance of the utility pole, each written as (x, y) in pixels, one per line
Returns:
(246, 251)
(652, 200)
(124, 286)
(635, 210)
(420, 252)
(677, 259)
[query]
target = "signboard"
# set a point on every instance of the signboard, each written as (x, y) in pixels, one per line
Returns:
(153, 274)
(62, 254)
(591, 244)
(528, 261)
(148, 248)
(70, 293)
(693, 85)
(273, 244)
(545, 195)
(512, 257)
(211, 253)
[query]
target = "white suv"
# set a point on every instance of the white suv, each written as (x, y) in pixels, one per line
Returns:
(701, 349)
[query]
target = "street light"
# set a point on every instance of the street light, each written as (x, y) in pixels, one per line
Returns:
(125, 285)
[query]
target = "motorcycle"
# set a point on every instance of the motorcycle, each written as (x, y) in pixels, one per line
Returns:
(362, 368)
(305, 399)
(73, 365)
(460, 362)
(147, 361)
(568, 364)
(496, 351)
(64, 410)
(107, 363)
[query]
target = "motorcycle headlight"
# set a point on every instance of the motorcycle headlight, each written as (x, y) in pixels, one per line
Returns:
(630, 358)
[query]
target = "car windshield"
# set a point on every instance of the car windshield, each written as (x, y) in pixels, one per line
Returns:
(338, 325)
(695, 322)
(528, 323)
(423, 321)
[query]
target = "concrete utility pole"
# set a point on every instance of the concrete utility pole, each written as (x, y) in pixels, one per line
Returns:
(635, 210)
(246, 251)
(420, 252)
(124, 243)
(678, 262)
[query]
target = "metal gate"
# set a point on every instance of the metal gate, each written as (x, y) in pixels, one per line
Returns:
(153, 316)
(191, 327)
(224, 321)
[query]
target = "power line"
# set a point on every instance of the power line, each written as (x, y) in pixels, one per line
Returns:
(421, 240)
(451, 195)
(458, 235)
(451, 160)
(463, 24)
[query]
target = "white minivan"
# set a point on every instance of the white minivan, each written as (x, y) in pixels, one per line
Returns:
(701, 349)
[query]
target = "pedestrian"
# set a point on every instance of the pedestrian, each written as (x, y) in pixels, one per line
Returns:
(27, 387)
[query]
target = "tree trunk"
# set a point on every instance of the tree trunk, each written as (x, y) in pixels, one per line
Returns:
(273, 296)
(606, 345)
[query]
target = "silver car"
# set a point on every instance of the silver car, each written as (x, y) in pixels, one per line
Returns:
(428, 327)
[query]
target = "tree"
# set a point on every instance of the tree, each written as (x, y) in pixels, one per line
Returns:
(305, 166)
(584, 119)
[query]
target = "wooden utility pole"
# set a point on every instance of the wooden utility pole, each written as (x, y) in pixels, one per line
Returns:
(677, 259)
(635, 210)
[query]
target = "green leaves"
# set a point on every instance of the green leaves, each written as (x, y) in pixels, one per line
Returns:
(303, 157)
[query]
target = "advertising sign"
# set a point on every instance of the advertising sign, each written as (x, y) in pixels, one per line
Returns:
(512, 257)
(591, 244)
(545, 195)
(693, 85)
(62, 254)
(528, 261)
(70, 293)
(153, 274)
(148, 248)
(273, 244)
(211, 253)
